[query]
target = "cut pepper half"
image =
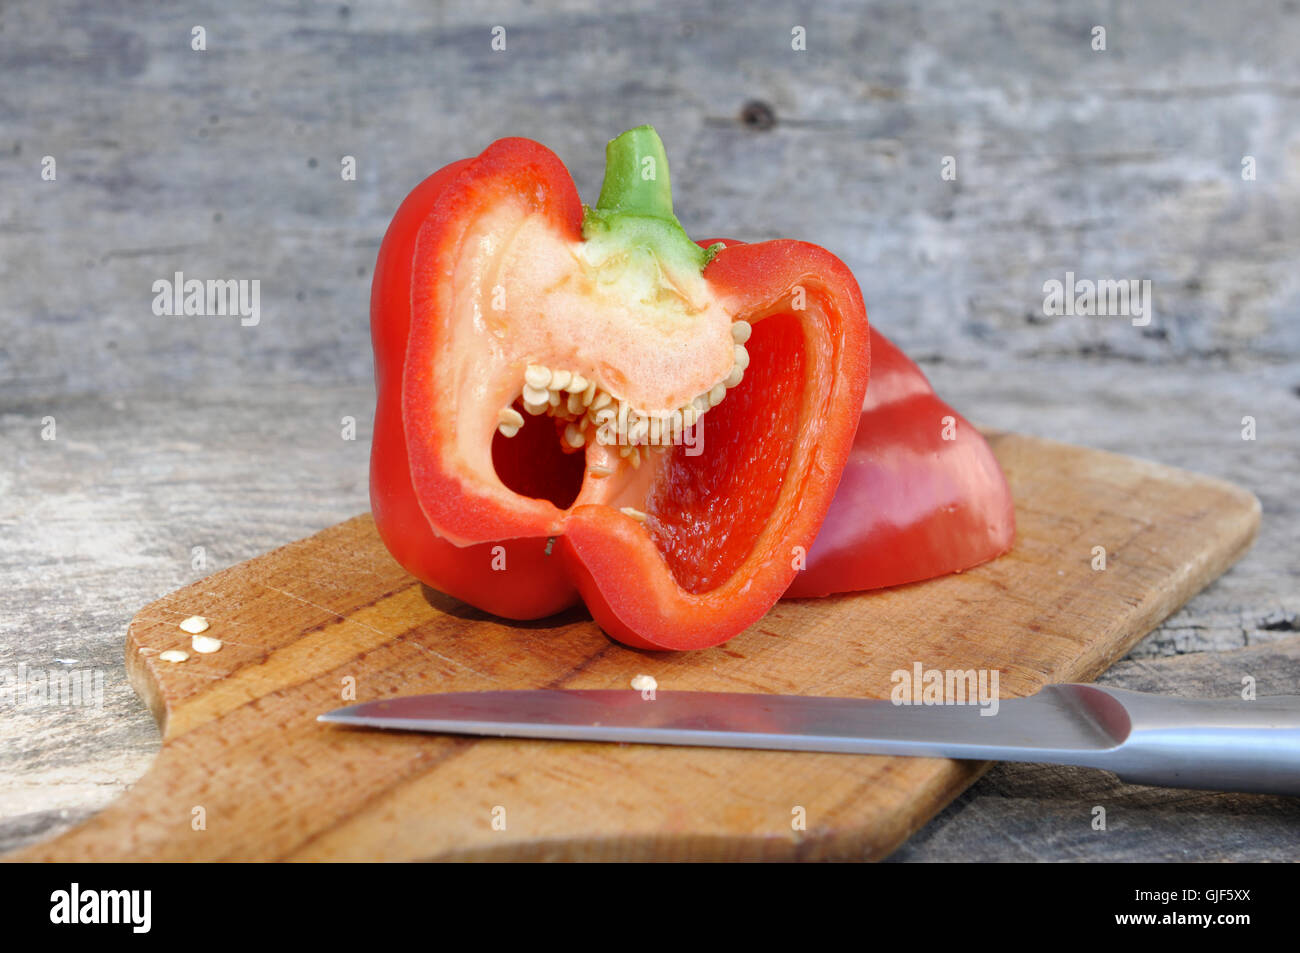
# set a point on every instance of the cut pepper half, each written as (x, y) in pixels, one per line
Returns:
(921, 495)
(585, 403)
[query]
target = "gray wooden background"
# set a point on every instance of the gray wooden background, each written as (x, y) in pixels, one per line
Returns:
(181, 432)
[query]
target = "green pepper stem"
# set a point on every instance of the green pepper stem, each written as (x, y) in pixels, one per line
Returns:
(635, 208)
(636, 176)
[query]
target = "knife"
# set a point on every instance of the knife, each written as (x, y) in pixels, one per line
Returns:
(1225, 745)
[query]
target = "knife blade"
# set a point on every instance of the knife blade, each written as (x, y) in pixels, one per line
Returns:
(1230, 745)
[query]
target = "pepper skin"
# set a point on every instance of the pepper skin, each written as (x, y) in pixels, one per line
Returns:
(912, 503)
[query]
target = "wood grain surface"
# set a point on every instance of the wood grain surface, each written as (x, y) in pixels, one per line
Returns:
(242, 751)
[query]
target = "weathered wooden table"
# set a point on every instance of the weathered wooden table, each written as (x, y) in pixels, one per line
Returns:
(182, 445)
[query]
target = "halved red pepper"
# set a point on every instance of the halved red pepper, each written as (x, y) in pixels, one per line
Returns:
(921, 495)
(494, 289)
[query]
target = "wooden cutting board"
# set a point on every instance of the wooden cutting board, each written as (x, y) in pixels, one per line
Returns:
(245, 771)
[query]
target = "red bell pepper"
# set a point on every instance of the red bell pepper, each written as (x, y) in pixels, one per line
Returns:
(545, 372)
(921, 496)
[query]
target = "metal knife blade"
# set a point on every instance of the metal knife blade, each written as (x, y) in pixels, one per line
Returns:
(1150, 739)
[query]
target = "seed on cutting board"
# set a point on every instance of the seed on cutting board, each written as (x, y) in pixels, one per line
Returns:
(205, 644)
(195, 624)
(174, 655)
(645, 683)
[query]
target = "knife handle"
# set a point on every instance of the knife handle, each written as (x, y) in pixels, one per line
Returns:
(1218, 744)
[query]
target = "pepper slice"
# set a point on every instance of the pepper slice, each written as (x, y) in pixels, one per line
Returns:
(921, 495)
(587, 403)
